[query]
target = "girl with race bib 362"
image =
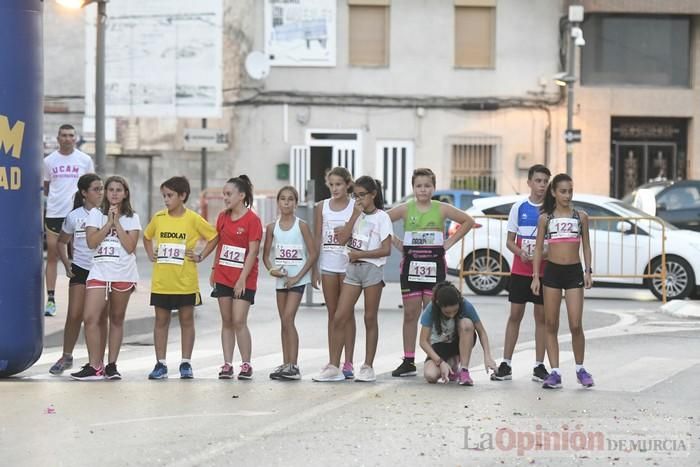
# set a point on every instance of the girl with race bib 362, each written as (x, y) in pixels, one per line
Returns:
(289, 254)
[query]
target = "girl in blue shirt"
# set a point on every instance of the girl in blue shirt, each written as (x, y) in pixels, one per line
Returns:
(449, 326)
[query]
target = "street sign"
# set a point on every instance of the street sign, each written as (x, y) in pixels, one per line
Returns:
(572, 136)
(213, 139)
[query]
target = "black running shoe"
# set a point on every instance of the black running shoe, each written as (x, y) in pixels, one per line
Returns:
(539, 373)
(88, 373)
(406, 368)
(503, 373)
(111, 372)
(291, 371)
(277, 371)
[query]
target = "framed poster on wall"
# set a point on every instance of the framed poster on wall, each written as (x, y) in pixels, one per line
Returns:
(300, 32)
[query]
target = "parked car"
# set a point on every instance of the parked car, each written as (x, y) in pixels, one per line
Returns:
(461, 199)
(612, 254)
(675, 202)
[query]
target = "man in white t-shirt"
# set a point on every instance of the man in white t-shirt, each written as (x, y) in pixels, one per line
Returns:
(62, 169)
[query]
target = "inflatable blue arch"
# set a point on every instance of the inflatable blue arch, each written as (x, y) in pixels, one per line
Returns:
(21, 154)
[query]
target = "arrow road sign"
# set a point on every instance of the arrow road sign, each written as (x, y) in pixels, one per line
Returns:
(572, 136)
(213, 139)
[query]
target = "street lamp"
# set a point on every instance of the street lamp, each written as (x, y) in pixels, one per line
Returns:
(100, 149)
(575, 38)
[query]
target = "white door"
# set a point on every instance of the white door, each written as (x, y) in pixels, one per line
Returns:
(395, 168)
(299, 160)
(347, 155)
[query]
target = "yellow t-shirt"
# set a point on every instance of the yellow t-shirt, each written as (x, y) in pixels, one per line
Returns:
(173, 273)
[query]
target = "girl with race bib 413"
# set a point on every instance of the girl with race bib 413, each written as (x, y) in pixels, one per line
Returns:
(113, 232)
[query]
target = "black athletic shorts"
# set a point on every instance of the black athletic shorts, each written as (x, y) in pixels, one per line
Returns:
(175, 301)
(54, 224)
(80, 275)
(300, 289)
(447, 350)
(519, 290)
(563, 276)
(221, 290)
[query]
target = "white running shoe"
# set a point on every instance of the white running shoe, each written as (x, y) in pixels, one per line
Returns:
(366, 374)
(330, 373)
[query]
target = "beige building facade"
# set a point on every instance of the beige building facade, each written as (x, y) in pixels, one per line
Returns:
(464, 87)
(638, 116)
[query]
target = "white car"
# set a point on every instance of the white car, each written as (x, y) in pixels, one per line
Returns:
(620, 249)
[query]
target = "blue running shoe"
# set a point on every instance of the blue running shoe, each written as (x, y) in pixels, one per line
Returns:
(348, 370)
(553, 381)
(585, 378)
(186, 371)
(160, 371)
(50, 309)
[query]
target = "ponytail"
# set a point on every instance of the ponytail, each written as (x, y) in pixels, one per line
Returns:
(372, 185)
(84, 183)
(549, 202)
(243, 185)
(444, 294)
(379, 199)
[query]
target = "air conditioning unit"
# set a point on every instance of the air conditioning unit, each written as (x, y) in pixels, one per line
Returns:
(524, 160)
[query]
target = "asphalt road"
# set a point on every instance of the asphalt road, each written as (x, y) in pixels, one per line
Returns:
(644, 409)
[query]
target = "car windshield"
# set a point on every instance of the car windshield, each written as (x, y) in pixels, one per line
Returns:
(630, 211)
(653, 189)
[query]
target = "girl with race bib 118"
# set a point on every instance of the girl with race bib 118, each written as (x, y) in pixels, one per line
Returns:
(169, 240)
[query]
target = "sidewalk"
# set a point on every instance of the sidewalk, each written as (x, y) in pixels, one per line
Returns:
(140, 315)
(681, 309)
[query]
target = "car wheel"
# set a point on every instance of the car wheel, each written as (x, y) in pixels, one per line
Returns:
(488, 262)
(680, 279)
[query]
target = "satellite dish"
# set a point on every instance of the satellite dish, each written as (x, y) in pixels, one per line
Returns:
(257, 65)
